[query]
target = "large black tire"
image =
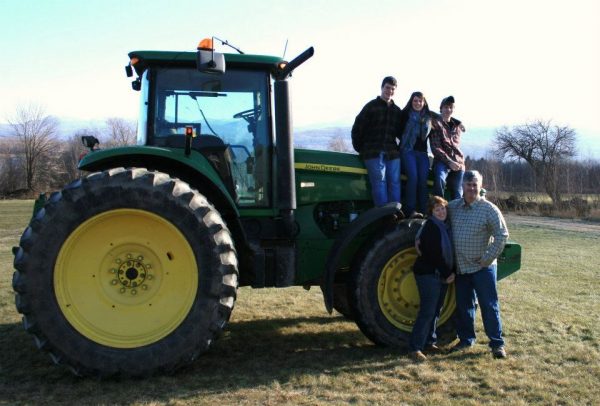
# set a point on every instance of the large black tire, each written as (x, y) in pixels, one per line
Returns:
(126, 272)
(384, 297)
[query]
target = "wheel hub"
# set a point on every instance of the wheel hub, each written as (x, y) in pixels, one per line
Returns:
(132, 273)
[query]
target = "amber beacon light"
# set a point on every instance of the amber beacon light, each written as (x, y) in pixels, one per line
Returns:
(206, 44)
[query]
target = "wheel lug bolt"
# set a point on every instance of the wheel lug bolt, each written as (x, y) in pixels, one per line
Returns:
(122, 290)
(144, 287)
(133, 292)
(150, 277)
(118, 260)
(113, 270)
(114, 282)
(140, 258)
(128, 256)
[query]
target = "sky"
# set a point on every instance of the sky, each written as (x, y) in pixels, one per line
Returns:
(505, 62)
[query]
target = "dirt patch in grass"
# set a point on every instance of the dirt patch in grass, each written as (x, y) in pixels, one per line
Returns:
(553, 223)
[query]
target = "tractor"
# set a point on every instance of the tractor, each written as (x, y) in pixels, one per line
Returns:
(132, 270)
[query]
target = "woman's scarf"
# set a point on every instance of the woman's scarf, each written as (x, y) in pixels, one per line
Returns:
(417, 126)
(446, 240)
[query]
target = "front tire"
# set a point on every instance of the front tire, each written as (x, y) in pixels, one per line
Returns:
(385, 299)
(125, 272)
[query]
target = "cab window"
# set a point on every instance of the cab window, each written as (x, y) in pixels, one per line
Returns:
(230, 110)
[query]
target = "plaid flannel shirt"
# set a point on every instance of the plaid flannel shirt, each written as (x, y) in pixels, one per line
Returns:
(376, 129)
(444, 141)
(479, 233)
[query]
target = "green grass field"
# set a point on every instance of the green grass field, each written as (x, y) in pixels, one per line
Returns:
(281, 347)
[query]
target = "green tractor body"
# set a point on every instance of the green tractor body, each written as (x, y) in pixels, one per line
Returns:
(143, 256)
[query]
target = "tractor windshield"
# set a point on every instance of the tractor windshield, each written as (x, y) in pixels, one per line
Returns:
(230, 109)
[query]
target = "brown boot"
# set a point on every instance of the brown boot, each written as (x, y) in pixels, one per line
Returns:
(418, 356)
(433, 349)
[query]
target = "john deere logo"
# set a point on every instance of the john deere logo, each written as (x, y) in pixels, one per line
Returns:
(329, 168)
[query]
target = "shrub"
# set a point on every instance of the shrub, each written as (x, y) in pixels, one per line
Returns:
(512, 203)
(581, 206)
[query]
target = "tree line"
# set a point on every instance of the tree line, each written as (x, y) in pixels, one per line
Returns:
(577, 177)
(34, 158)
(537, 156)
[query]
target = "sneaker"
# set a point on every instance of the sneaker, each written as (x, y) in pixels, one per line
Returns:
(461, 346)
(433, 349)
(499, 352)
(418, 356)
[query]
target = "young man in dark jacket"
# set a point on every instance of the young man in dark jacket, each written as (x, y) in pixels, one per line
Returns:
(448, 159)
(374, 135)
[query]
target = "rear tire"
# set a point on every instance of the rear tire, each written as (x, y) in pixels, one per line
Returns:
(385, 300)
(126, 272)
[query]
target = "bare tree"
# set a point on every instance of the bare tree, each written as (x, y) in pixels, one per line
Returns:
(338, 143)
(493, 175)
(545, 147)
(36, 137)
(120, 132)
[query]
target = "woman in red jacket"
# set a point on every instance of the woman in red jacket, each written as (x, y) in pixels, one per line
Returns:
(433, 270)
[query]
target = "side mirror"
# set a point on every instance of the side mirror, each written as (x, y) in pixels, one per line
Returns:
(90, 142)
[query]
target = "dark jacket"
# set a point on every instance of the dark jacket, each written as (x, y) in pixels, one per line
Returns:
(431, 257)
(376, 129)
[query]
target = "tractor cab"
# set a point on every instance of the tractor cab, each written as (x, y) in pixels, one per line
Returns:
(225, 117)
(215, 105)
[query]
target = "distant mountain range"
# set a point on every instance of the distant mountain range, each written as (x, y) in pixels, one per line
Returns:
(476, 142)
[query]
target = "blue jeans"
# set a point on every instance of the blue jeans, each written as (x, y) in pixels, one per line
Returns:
(415, 166)
(384, 176)
(442, 174)
(432, 293)
(482, 282)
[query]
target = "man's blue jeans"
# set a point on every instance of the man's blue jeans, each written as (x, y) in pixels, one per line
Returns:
(443, 175)
(415, 166)
(432, 293)
(384, 176)
(482, 282)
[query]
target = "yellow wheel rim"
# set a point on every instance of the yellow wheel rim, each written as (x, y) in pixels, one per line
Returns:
(125, 278)
(398, 294)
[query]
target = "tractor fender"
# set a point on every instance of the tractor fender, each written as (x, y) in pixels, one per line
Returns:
(345, 238)
(194, 169)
